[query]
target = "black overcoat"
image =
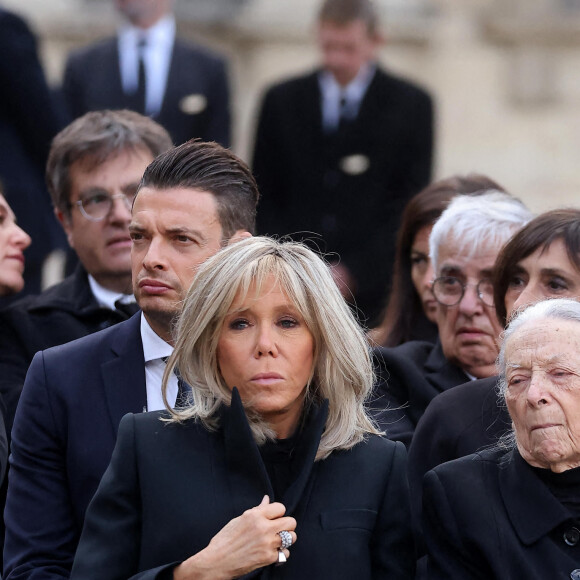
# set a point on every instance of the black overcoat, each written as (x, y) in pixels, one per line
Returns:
(171, 487)
(488, 516)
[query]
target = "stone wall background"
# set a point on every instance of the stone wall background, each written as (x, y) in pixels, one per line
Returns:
(504, 73)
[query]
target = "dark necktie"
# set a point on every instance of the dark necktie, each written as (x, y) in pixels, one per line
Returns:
(138, 98)
(343, 113)
(183, 398)
(126, 309)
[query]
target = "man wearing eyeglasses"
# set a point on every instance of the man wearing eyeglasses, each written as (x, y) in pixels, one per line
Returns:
(464, 244)
(94, 168)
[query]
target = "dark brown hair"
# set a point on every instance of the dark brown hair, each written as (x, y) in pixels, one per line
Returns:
(541, 232)
(95, 138)
(404, 310)
(343, 12)
(211, 168)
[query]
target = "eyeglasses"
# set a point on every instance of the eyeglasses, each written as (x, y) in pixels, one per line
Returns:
(97, 207)
(449, 291)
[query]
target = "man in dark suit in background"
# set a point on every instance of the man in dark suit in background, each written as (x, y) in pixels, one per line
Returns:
(145, 68)
(94, 168)
(339, 151)
(193, 200)
(29, 118)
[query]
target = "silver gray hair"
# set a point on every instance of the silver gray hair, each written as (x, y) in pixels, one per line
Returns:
(555, 308)
(475, 223)
(342, 370)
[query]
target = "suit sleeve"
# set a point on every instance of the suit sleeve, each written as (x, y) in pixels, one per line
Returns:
(110, 543)
(268, 166)
(219, 123)
(448, 557)
(419, 153)
(393, 549)
(41, 534)
(28, 102)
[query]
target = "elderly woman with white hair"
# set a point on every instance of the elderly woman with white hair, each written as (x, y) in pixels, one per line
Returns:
(514, 511)
(464, 244)
(273, 469)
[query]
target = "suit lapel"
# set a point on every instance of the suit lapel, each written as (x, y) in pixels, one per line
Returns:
(124, 374)
(440, 373)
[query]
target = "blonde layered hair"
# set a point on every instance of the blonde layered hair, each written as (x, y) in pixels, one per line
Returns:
(342, 370)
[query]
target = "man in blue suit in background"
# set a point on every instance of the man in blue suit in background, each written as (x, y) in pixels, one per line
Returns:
(192, 200)
(145, 68)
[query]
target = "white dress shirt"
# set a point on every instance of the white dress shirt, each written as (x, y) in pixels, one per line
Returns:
(154, 349)
(106, 298)
(352, 94)
(157, 59)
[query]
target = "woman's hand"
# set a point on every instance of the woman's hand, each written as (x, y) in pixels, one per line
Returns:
(245, 543)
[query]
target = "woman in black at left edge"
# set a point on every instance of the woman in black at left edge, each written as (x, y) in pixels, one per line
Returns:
(274, 470)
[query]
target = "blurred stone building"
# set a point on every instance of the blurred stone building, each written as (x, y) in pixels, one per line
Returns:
(504, 73)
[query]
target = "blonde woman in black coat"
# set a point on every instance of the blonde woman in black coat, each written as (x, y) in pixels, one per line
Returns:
(273, 469)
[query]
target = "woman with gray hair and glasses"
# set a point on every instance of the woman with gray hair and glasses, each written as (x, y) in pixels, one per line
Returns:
(514, 511)
(274, 461)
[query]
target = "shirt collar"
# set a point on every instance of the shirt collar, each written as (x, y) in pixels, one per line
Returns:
(162, 32)
(355, 90)
(154, 347)
(107, 298)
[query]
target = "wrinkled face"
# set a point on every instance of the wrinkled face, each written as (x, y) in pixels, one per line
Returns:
(104, 247)
(13, 242)
(422, 272)
(267, 352)
(543, 392)
(544, 274)
(345, 48)
(143, 13)
(469, 330)
(173, 232)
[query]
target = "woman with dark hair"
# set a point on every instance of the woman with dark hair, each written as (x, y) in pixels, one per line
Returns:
(551, 241)
(411, 310)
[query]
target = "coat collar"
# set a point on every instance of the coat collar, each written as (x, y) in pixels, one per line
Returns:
(440, 372)
(73, 295)
(248, 475)
(535, 513)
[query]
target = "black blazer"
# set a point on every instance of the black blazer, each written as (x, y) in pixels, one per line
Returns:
(488, 516)
(171, 487)
(350, 187)
(409, 377)
(62, 313)
(64, 433)
(92, 81)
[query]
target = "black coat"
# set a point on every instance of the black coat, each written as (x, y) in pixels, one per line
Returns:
(457, 422)
(62, 313)
(349, 187)
(180, 479)
(92, 81)
(488, 516)
(409, 377)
